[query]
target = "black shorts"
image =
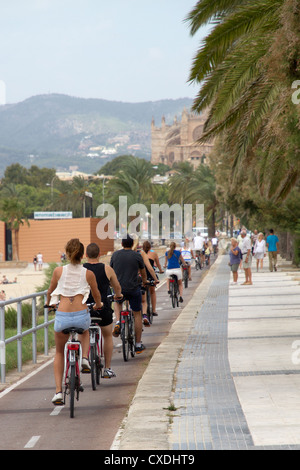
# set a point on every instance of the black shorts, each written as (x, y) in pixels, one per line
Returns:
(135, 299)
(104, 316)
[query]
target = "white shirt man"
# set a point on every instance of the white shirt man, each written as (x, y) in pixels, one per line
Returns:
(198, 242)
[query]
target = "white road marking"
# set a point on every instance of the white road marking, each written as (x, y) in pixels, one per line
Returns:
(36, 371)
(31, 443)
(56, 411)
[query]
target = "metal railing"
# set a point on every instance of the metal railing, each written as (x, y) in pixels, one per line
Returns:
(20, 334)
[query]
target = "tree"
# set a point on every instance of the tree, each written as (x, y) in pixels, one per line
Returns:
(13, 213)
(246, 67)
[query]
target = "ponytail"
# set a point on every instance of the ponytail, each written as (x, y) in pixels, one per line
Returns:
(172, 248)
(74, 250)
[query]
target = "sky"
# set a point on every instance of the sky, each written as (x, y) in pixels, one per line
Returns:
(120, 50)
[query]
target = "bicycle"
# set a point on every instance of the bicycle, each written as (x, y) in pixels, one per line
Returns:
(96, 356)
(150, 282)
(185, 275)
(127, 330)
(72, 366)
(198, 262)
(174, 290)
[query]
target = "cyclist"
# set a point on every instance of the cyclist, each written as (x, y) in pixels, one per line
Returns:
(127, 265)
(187, 254)
(172, 259)
(150, 256)
(198, 246)
(105, 277)
(70, 286)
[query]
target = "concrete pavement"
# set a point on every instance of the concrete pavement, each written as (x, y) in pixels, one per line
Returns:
(228, 374)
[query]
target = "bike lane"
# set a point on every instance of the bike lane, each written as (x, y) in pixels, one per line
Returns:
(31, 422)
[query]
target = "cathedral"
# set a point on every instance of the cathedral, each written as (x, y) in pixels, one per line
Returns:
(178, 142)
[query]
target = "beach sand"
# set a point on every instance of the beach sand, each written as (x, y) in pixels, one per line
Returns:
(28, 281)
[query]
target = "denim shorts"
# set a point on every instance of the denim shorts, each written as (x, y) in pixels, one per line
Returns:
(63, 320)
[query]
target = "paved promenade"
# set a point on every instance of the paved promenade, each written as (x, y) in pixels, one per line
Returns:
(228, 374)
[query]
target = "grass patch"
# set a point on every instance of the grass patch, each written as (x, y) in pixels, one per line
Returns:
(11, 348)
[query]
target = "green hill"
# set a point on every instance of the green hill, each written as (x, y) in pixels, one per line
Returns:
(61, 131)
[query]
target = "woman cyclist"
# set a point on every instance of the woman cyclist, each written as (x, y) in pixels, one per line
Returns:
(153, 259)
(173, 267)
(70, 286)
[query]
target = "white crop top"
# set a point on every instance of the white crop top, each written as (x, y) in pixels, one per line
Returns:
(71, 282)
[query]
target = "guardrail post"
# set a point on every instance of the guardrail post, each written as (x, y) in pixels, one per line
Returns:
(34, 348)
(19, 332)
(2, 344)
(46, 347)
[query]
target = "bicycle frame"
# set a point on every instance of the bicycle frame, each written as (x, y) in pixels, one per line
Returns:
(72, 367)
(72, 347)
(174, 288)
(96, 342)
(127, 331)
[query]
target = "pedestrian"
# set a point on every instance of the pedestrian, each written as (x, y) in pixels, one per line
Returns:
(35, 262)
(254, 237)
(273, 249)
(247, 258)
(235, 255)
(40, 261)
(259, 250)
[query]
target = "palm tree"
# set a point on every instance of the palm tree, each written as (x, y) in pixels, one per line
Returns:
(249, 102)
(196, 187)
(13, 213)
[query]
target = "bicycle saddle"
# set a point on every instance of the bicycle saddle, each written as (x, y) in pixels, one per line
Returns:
(72, 329)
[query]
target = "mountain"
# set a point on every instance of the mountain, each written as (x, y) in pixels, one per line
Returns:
(60, 131)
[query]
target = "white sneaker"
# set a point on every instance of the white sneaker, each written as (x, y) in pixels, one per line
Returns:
(108, 374)
(85, 366)
(58, 399)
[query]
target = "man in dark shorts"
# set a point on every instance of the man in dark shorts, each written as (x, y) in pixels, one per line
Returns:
(127, 265)
(105, 277)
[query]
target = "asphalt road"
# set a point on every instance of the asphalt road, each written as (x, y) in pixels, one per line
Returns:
(30, 421)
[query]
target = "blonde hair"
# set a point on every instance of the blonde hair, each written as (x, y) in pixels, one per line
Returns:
(74, 250)
(135, 239)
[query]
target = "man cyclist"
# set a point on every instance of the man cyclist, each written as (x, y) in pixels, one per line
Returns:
(198, 246)
(127, 265)
(105, 277)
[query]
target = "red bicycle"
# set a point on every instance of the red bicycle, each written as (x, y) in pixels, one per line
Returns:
(72, 362)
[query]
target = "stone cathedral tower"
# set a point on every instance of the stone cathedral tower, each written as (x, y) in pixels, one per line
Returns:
(178, 142)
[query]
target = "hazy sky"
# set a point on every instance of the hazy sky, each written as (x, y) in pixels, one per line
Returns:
(123, 50)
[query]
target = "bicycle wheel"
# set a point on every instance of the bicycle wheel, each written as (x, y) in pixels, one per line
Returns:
(149, 307)
(72, 389)
(172, 289)
(93, 362)
(176, 294)
(186, 278)
(132, 335)
(99, 366)
(125, 337)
